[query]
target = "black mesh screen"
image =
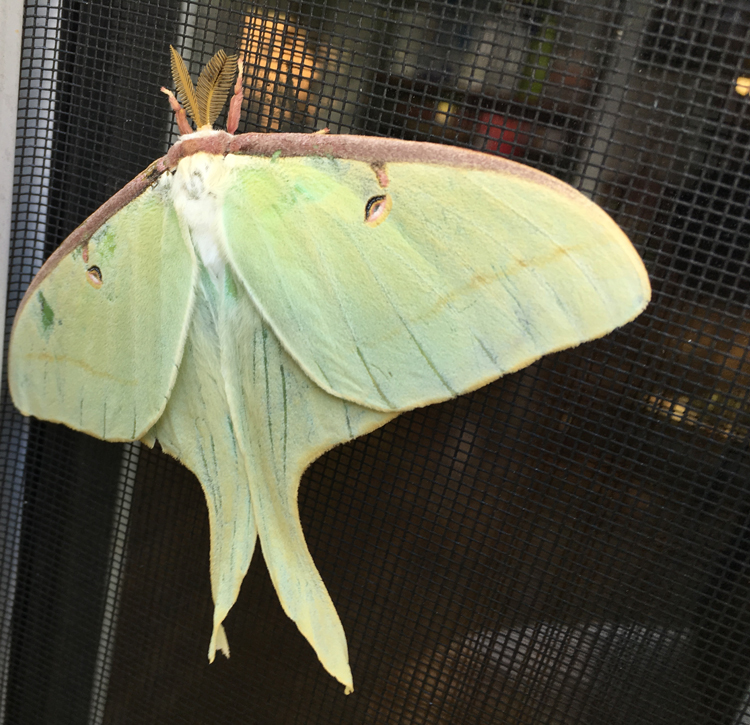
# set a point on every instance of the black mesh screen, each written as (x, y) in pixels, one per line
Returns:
(570, 544)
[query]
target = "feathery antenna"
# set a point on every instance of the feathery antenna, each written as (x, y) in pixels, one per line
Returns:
(184, 85)
(204, 104)
(214, 85)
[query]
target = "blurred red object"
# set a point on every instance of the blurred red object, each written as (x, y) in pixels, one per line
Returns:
(507, 136)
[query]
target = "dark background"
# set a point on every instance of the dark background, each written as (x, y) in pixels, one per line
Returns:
(567, 545)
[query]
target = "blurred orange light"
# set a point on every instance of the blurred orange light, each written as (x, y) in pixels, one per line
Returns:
(278, 66)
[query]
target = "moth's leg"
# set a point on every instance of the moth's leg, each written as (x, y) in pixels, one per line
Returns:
(180, 116)
(235, 104)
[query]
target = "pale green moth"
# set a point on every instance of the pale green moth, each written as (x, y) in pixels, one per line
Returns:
(251, 301)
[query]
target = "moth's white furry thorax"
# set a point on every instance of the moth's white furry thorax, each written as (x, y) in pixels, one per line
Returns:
(197, 195)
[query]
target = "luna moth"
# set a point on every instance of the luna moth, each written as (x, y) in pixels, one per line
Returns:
(251, 301)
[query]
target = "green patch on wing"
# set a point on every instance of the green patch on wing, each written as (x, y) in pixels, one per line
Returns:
(48, 315)
(230, 287)
(105, 243)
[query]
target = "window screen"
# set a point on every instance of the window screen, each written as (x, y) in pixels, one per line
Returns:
(569, 544)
